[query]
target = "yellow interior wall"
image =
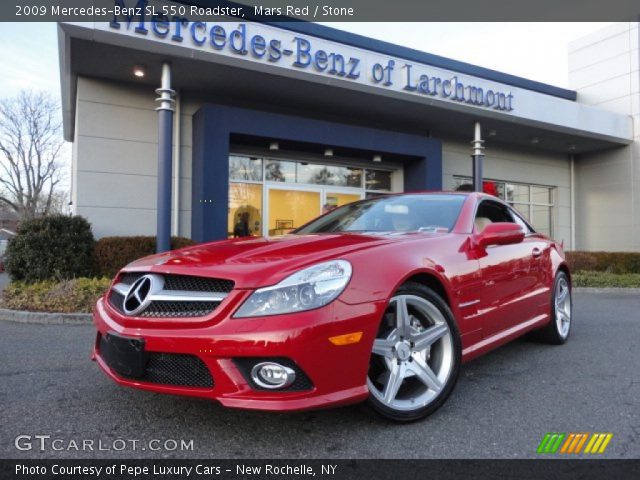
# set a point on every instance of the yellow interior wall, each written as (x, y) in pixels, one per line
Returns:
(298, 206)
(342, 198)
(293, 205)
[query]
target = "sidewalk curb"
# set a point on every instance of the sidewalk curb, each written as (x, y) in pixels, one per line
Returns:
(45, 318)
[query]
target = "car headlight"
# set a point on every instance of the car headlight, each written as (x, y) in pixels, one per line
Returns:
(307, 289)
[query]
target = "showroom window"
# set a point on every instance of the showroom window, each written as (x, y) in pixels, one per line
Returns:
(285, 194)
(534, 202)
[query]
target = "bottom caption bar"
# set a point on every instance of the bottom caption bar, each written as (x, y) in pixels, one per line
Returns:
(66, 469)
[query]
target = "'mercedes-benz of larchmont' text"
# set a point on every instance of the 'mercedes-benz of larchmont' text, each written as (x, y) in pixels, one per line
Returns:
(173, 471)
(297, 52)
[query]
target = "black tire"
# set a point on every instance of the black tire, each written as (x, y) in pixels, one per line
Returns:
(552, 333)
(450, 343)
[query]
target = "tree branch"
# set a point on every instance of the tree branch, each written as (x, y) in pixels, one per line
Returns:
(30, 146)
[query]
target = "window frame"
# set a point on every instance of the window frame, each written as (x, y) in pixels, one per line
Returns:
(286, 158)
(510, 210)
(267, 185)
(529, 204)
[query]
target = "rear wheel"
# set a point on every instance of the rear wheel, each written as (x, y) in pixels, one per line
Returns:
(557, 331)
(416, 356)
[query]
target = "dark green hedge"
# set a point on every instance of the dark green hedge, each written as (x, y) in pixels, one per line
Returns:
(110, 254)
(610, 262)
(55, 247)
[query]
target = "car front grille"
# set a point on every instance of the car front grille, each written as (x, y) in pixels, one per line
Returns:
(193, 299)
(185, 282)
(197, 284)
(179, 309)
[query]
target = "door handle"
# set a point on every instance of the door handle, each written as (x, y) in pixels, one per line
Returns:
(536, 252)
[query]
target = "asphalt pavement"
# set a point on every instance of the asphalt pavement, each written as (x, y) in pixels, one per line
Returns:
(503, 405)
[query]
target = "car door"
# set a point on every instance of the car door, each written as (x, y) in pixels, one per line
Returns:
(540, 249)
(507, 277)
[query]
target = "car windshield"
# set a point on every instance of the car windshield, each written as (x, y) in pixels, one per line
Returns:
(401, 213)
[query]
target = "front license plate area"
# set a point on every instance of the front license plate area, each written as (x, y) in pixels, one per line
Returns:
(125, 355)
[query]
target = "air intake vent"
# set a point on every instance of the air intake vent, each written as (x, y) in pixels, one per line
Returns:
(162, 368)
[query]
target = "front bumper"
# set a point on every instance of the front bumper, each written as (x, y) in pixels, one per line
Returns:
(337, 373)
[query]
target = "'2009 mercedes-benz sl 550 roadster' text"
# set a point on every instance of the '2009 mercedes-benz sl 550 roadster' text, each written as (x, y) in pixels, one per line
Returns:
(381, 299)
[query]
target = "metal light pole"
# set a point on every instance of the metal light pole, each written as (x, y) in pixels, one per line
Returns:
(478, 157)
(165, 137)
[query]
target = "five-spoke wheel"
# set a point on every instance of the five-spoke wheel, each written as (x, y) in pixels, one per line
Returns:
(415, 356)
(562, 305)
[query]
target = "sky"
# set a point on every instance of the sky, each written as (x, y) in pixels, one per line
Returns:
(537, 51)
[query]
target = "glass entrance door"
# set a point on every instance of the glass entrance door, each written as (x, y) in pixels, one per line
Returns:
(290, 208)
(270, 196)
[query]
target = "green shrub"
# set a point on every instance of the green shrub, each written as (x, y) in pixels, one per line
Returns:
(56, 247)
(110, 254)
(605, 279)
(67, 296)
(612, 262)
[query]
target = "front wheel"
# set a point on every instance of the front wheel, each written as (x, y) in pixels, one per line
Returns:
(416, 355)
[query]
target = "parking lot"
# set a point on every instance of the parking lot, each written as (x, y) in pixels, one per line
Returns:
(502, 406)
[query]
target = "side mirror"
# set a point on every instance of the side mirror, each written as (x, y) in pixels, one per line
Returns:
(499, 233)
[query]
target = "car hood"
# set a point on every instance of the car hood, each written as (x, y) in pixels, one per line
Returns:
(255, 262)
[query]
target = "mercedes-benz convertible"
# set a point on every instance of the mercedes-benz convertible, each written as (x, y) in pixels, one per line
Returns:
(378, 300)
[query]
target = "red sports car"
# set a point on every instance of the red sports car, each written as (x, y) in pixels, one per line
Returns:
(380, 299)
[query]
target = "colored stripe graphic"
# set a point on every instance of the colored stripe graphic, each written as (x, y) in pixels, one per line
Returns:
(551, 442)
(568, 442)
(543, 443)
(598, 443)
(573, 443)
(581, 443)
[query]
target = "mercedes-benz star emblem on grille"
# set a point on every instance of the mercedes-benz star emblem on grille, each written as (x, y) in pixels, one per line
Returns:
(140, 293)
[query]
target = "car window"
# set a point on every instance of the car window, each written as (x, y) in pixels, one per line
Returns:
(520, 221)
(491, 212)
(401, 213)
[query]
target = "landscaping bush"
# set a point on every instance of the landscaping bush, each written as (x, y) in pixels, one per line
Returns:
(605, 279)
(110, 254)
(611, 262)
(55, 247)
(68, 296)
(581, 261)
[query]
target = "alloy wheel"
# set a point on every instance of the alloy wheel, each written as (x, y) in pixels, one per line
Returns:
(563, 307)
(413, 356)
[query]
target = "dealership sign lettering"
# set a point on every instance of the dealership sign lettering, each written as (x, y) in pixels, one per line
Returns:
(300, 52)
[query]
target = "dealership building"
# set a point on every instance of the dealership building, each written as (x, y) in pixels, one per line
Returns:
(228, 128)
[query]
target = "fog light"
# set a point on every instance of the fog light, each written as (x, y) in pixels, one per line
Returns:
(272, 375)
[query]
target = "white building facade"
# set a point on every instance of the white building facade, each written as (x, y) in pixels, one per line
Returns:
(603, 69)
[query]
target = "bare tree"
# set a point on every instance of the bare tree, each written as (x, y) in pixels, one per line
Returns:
(30, 149)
